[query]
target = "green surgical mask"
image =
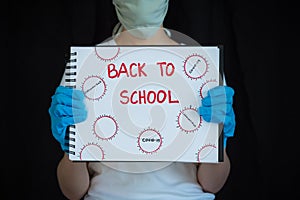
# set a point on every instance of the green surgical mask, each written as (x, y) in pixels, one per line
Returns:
(141, 18)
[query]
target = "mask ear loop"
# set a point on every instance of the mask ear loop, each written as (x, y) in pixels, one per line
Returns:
(168, 32)
(117, 29)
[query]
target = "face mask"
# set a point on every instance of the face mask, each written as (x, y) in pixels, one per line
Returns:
(141, 18)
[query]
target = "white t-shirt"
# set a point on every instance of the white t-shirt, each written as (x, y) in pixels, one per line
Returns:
(176, 181)
(144, 180)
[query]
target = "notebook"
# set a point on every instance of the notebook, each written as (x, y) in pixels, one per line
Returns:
(143, 102)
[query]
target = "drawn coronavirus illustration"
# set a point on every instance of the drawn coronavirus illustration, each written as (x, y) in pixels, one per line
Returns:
(105, 127)
(195, 66)
(206, 86)
(91, 151)
(94, 87)
(149, 141)
(204, 151)
(189, 120)
(107, 55)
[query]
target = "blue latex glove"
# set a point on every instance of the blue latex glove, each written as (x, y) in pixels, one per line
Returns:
(217, 107)
(67, 108)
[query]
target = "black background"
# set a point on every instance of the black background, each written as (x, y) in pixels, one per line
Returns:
(36, 39)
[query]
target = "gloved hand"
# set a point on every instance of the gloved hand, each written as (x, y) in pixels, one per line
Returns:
(67, 108)
(217, 107)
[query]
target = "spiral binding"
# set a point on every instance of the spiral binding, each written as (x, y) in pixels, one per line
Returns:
(70, 81)
(70, 137)
(70, 71)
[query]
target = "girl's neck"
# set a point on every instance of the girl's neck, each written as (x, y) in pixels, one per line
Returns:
(159, 38)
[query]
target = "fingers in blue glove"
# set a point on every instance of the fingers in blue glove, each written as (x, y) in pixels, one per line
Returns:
(76, 114)
(218, 95)
(59, 127)
(220, 90)
(60, 110)
(70, 92)
(216, 113)
(229, 127)
(229, 124)
(68, 102)
(65, 147)
(67, 108)
(217, 107)
(69, 97)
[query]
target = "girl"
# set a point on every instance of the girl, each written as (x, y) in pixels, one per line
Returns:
(140, 23)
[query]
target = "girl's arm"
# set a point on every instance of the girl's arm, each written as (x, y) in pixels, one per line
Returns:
(73, 178)
(212, 176)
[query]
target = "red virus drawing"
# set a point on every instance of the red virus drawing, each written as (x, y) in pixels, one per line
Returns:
(204, 151)
(149, 141)
(94, 88)
(189, 120)
(206, 86)
(195, 66)
(92, 151)
(107, 54)
(105, 127)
